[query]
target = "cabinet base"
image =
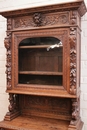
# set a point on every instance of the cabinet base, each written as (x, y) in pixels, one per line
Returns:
(37, 123)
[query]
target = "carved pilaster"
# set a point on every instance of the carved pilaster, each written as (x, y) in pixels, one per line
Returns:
(72, 41)
(73, 17)
(13, 107)
(9, 24)
(7, 43)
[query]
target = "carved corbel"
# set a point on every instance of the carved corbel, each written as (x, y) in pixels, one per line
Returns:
(13, 107)
(7, 44)
(72, 41)
(75, 112)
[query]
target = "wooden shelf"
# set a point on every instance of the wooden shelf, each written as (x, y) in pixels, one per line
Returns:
(40, 73)
(35, 46)
(34, 123)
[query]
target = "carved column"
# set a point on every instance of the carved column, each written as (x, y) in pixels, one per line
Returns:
(13, 107)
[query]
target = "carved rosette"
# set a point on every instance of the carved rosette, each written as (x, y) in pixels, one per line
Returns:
(75, 112)
(7, 43)
(72, 41)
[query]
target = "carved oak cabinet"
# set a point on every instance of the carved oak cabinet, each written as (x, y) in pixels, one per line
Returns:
(43, 67)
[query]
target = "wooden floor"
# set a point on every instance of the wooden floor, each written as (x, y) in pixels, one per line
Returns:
(34, 123)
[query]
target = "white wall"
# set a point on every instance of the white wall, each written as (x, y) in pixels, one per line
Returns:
(12, 4)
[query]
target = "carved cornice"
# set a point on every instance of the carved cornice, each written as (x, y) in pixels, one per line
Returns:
(7, 43)
(78, 5)
(72, 41)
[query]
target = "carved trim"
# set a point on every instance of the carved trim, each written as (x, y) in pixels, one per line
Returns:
(72, 41)
(7, 43)
(75, 112)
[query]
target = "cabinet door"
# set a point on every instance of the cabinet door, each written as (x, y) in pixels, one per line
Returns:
(40, 62)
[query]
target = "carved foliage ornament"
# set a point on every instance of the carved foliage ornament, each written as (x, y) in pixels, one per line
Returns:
(72, 41)
(7, 43)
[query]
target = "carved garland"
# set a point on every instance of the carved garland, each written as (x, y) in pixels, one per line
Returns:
(72, 40)
(7, 43)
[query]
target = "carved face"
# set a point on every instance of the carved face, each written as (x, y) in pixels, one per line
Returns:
(37, 18)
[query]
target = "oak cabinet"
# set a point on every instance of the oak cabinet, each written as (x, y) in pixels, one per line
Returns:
(43, 67)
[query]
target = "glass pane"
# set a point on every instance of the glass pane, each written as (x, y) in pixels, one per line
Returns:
(41, 61)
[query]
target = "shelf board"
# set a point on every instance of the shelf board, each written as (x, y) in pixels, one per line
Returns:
(36, 46)
(34, 123)
(40, 73)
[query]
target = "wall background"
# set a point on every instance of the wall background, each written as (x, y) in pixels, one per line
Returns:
(11, 5)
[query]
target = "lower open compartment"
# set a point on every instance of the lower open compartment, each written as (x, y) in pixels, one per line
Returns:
(40, 113)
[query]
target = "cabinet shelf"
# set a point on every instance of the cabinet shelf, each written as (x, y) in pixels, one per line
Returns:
(40, 73)
(36, 46)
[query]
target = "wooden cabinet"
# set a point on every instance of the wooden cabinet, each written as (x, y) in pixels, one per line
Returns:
(43, 67)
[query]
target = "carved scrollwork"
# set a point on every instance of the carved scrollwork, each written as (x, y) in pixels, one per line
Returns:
(72, 41)
(7, 43)
(75, 111)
